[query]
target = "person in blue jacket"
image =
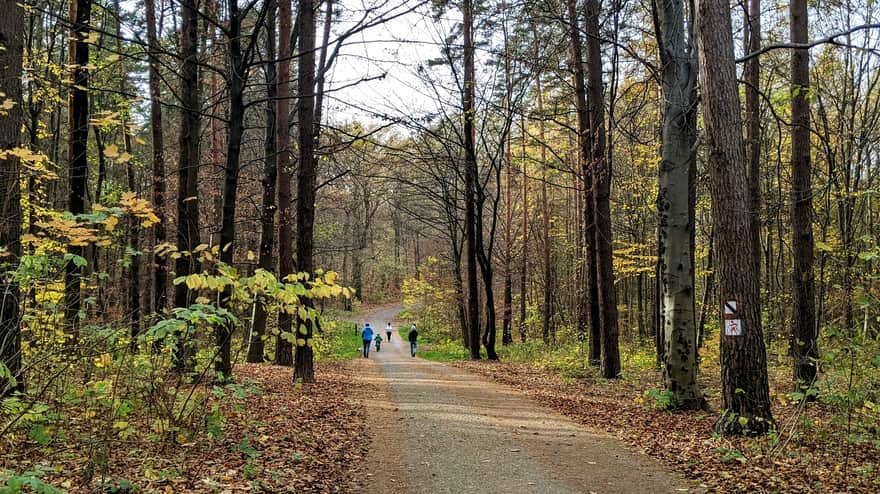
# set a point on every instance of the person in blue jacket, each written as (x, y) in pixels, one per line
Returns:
(367, 337)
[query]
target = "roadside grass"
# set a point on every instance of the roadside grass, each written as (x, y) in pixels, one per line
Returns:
(339, 340)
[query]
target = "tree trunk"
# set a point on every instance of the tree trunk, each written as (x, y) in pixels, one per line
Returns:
(588, 216)
(306, 181)
(160, 270)
(11, 54)
(804, 332)
(78, 156)
(283, 344)
(674, 204)
(752, 38)
(610, 354)
(524, 268)
(470, 183)
(188, 168)
(235, 129)
(507, 316)
(257, 347)
(546, 255)
(745, 395)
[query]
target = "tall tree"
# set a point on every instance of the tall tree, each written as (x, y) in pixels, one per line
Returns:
(256, 347)
(187, 165)
(236, 74)
(675, 203)
(11, 51)
(591, 294)
(283, 346)
(752, 43)
(804, 334)
(745, 396)
(77, 156)
(470, 182)
(306, 180)
(160, 270)
(609, 364)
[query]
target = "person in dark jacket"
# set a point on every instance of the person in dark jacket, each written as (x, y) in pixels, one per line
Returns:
(367, 337)
(413, 339)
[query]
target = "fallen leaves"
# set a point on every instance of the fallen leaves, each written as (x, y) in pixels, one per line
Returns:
(281, 440)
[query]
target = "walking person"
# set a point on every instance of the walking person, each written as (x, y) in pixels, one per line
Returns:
(367, 337)
(388, 330)
(413, 339)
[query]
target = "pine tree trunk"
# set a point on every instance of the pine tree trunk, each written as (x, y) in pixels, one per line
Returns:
(257, 346)
(11, 53)
(745, 395)
(160, 270)
(547, 305)
(675, 204)
(609, 364)
(188, 169)
(804, 335)
(283, 345)
(235, 129)
(524, 268)
(78, 156)
(306, 181)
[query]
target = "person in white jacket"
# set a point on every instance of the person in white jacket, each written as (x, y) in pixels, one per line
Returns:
(388, 330)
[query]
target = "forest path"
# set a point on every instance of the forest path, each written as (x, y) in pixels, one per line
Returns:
(435, 428)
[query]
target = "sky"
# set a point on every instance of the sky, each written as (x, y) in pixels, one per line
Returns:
(394, 48)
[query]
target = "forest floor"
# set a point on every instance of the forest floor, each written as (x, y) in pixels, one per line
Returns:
(283, 438)
(442, 429)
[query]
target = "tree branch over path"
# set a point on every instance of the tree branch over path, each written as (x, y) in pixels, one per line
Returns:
(830, 39)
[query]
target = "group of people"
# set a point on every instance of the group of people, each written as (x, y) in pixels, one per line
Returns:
(367, 335)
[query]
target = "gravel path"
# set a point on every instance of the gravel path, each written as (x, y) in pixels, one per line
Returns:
(439, 429)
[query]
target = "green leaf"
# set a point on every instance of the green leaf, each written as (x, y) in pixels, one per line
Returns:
(824, 247)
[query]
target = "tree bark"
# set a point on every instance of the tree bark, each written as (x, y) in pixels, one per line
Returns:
(675, 203)
(11, 54)
(609, 364)
(804, 333)
(78, 157)
(524, 268)
(745, 394)
(283, 346)
(306, 181)
(188, 168)
(160, 270)
(257, 346)
(235, 84)
(470, 184)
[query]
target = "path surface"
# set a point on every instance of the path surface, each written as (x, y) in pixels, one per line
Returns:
(439, 429)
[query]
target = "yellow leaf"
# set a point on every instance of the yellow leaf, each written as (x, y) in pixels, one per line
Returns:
(111, 151)
(140, 141)
(124, 157)
(110, 223)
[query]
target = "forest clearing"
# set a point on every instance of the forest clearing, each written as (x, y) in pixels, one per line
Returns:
(622, 246)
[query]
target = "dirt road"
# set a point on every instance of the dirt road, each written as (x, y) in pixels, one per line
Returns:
(438, 429)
